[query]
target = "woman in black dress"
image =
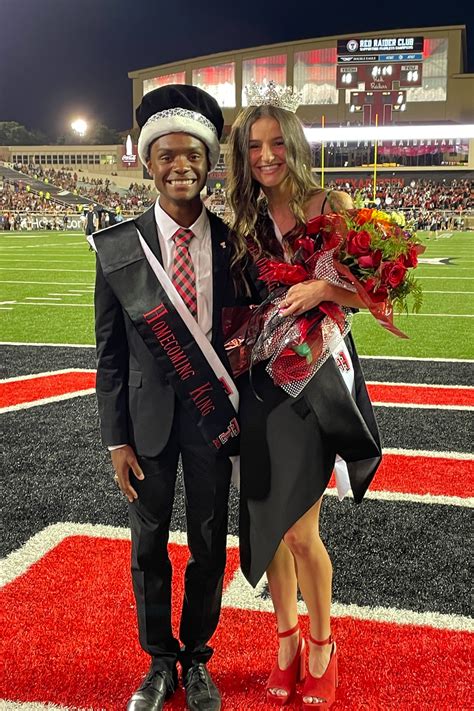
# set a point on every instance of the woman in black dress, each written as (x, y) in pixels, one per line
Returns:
(289, 444)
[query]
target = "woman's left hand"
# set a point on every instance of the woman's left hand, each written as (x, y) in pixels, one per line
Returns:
(304, 296)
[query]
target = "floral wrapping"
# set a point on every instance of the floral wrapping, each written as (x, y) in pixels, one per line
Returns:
(365, 251)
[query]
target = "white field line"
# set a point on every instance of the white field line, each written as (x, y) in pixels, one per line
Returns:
(443, 278)
(42, 246)
(46, 374)
(426, 291)
(461, 456)
(55, 260)
(427, 360)
(429, 499)
(55, 283)
(61, 234)
(42, 298)
(239, 593)
(410, 315)
(48, 345)
(42, 269)
(420, 385)
(442, 254)
(22, 303)
(52, 248)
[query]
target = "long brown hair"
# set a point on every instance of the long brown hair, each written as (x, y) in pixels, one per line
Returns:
(244, 192)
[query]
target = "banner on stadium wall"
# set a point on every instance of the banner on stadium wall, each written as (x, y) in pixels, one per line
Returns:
(129, 154)
(40, 221)
(379, 49)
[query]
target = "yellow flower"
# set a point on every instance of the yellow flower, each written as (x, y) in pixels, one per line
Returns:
(398, 218)
(381, 215)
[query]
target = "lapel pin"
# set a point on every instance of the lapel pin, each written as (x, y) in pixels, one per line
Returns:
(223, 245)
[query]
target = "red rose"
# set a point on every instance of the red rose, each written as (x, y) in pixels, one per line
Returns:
(393, 273)
(288, 273)
(358, 243)
(370, 261)
(377, 294)
(410, 259)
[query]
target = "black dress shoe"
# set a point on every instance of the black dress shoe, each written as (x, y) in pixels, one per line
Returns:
(201, 692)
(157, 686)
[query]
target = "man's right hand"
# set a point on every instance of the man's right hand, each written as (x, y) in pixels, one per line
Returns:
(123, 460)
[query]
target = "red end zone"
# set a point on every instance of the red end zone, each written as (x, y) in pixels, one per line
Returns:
(71, 633)
(19, 391)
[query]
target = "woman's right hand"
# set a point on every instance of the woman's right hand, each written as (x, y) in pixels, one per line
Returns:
(305, 296)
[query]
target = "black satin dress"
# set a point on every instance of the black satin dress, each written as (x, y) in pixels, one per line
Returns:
(288, 450)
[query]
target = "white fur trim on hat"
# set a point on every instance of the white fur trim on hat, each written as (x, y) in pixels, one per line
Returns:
(179, 121)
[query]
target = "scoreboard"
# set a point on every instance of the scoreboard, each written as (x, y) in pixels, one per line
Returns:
(386, 67)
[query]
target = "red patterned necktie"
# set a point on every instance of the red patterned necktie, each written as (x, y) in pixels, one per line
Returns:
(183, 276)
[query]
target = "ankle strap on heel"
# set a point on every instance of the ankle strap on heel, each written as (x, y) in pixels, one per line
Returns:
(288, 633)
(322, 642)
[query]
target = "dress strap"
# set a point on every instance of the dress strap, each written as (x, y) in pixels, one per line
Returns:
(326, 198)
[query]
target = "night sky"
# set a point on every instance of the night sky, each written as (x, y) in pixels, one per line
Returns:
(62, 58)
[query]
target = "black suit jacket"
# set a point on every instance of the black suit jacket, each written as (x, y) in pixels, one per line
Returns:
(136, 403)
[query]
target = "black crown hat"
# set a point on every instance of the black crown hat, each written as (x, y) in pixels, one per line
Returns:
(179, 108)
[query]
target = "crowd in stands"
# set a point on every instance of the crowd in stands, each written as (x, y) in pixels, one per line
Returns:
(430, 204)
(453, 195)
(18, 204)
(100, 190)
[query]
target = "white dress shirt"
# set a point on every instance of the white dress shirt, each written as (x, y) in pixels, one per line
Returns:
(200, 249)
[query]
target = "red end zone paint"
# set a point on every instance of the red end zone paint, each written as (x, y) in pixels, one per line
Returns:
(17, 392)
(71, 640)
(56, 384)
(424, 475)
(416, 395)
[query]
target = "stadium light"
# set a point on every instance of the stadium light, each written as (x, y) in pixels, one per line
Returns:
(388, 133)
(79, 126)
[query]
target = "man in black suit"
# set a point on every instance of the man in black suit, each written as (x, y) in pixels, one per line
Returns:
(92, 220)
(158, 398)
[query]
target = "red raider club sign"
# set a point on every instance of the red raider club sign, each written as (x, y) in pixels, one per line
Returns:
(130, 153)
(377, 45)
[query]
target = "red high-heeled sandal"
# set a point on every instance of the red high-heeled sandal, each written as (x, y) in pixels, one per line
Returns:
(286, 679)
(321, 690)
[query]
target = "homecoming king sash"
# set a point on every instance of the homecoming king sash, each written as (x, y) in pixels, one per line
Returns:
(183, 353)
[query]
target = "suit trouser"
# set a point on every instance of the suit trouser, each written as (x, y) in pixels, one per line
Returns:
(206, 482)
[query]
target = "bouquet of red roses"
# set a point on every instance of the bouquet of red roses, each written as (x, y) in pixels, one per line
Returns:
(363, 250)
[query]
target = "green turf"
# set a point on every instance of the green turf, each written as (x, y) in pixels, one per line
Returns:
(60, 266)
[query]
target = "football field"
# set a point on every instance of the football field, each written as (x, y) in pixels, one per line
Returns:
(47, 283)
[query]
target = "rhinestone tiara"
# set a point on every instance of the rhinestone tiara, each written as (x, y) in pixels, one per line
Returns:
(272, 94)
